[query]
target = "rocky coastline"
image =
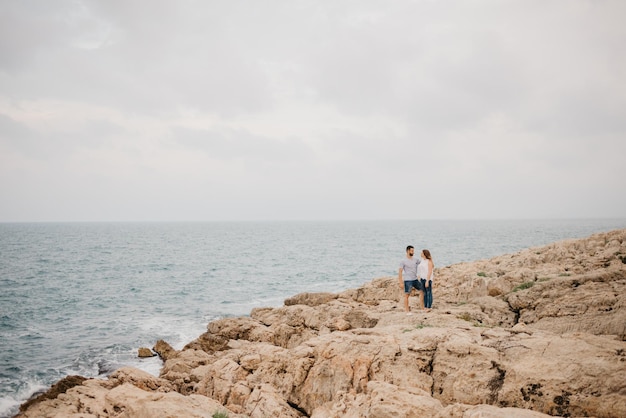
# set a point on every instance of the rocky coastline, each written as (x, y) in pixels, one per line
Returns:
(538, 333)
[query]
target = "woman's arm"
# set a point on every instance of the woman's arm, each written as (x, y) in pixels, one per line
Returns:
(431, 266)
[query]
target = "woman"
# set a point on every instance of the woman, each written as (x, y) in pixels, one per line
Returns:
(426, 273)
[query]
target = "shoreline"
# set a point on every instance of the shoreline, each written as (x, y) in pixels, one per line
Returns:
(234, 365)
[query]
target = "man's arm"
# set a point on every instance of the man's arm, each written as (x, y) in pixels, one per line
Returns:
(400, 277)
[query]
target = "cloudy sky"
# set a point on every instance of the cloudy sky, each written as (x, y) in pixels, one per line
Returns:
(312, 110)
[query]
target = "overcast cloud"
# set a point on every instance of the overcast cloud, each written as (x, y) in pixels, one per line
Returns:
(233, 110)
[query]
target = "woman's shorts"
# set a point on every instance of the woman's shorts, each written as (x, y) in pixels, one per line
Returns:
(408, 284)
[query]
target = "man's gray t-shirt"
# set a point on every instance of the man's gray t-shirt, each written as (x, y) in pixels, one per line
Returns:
(409, 268)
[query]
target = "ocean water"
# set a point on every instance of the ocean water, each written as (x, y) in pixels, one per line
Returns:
(81, 298)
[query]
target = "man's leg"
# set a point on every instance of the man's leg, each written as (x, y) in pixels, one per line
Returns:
(423, 302)
(406, 302)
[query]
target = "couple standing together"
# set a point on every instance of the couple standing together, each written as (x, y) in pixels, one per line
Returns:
(417, 272)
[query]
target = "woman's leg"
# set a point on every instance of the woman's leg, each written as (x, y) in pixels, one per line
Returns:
(428, 298)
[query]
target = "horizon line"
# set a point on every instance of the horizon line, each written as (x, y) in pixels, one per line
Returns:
(310, 220)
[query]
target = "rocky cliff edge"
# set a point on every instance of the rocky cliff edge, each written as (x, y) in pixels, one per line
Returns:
(541, 332)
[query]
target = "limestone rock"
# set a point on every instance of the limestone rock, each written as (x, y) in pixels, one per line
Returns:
(128, 401)
(145, 352)
(310, 299)
(163, 349)
(487, 411)
(140, 379)
(381, 400)
(532, 334)
(58, 388)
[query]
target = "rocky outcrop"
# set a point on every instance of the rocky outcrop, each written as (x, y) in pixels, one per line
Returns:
(57, 389)
(536, 333)
(144, 352)
(575, 285)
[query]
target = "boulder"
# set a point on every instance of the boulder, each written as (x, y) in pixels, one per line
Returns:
(310, 299)
(164, 350)
(145, 352)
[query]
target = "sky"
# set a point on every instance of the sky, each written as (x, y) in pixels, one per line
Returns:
(234, 110)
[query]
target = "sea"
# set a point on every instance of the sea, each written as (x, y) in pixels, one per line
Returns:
(82, 298)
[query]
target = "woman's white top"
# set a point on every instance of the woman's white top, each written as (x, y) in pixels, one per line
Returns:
(422, 270)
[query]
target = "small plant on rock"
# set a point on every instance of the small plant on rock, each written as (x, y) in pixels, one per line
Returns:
(220, 415)
(523, 286)
(418, 326)
(465, 316)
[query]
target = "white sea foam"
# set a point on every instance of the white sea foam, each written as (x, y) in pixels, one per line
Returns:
(9, 404)
(151, 365)
(175, 331)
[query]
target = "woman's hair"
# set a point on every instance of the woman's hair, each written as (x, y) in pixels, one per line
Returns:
(427, 254)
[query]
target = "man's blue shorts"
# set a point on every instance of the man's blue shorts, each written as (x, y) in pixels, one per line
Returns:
(408, 284)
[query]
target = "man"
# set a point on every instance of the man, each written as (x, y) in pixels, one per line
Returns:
(407, 276)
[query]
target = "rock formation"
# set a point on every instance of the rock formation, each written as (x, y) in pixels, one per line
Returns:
(145, 352)
(538, 333)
